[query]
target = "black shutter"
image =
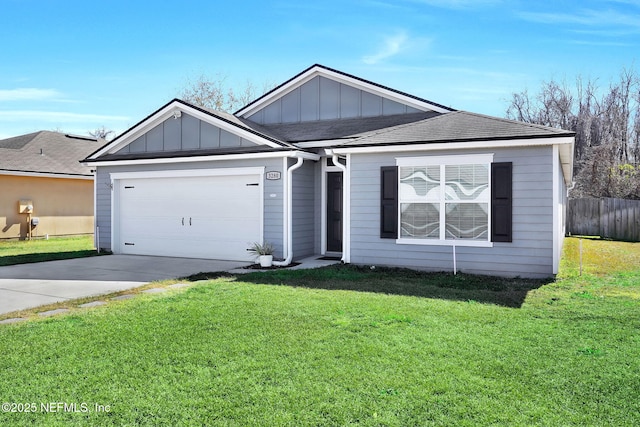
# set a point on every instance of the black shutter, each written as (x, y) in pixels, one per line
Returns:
(501, 206)
(389, 202)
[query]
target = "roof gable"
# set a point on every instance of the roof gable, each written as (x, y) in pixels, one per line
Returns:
(181, 127)
(185, 133)
(321, 93)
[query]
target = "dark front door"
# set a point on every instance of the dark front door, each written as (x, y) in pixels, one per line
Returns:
(334, 211)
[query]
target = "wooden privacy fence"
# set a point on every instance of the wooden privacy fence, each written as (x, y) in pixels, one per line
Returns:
(617, 219)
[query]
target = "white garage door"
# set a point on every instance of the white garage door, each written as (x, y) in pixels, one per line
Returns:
(214, 217)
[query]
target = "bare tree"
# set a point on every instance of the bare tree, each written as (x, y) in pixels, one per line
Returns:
(607, 126)
(102, 133)
(521, 108)
(205, 92)
(214, 93)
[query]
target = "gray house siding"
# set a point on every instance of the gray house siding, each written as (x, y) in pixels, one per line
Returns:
(324, 99)
(184, 133)
(530, 253)
(273, 194)
(304, 210)
(103, 209)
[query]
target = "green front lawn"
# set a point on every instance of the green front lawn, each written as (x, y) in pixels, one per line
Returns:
(344, 346)
(27, 251)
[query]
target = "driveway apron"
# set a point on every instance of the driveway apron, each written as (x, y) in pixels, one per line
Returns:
(31, 285)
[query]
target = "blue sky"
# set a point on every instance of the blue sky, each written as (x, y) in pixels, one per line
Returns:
(79, 65)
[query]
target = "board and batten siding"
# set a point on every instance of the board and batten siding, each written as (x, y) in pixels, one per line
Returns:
(273, 195)
(324, 99)
(185, 133)
(304, 210)
(529, 255)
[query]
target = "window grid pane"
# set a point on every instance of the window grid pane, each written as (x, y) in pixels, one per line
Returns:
(420, 183)
(420, 220)
(467, 221)
(466, 182)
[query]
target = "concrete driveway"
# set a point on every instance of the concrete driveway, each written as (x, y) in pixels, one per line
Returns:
(31, 285)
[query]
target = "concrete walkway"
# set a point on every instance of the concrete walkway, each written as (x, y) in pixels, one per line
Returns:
(31, 285)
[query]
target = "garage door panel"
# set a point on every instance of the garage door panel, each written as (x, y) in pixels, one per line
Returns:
(225, 228)
(142, 226)
(222, 216)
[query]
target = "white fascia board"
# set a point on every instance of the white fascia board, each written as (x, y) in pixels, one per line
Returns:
(564, 143)
(170, 160)
(138, 130)
(341, 78)
(166, 113)
(439, 146)
(46, 175)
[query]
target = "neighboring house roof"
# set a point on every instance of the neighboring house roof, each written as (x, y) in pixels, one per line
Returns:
(46, 152)
(457, 126)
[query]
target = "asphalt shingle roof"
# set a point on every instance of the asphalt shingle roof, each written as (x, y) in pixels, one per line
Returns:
(457, 126)
(46, 152)
(337, 129)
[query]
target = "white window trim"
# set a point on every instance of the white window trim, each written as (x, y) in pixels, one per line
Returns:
(442, 161)
(323, 202)
(462, 159)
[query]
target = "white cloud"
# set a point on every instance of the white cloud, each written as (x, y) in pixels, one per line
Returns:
(586, 17)
(28, 94)
(57, 117)
(391, 46)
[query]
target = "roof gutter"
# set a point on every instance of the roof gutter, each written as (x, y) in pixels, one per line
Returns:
(288, 247)
(455, 145)
(207, 158)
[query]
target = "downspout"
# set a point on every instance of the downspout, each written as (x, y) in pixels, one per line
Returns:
(345, 201)
(288, 247)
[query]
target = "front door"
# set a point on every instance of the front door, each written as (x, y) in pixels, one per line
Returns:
(334, 211)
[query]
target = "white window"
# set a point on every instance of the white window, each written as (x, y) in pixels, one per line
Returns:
(444, 200)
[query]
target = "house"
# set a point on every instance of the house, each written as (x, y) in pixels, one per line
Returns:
(330, 164)
(42, 170)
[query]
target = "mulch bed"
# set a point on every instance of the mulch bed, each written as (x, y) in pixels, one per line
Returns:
(273, 267)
